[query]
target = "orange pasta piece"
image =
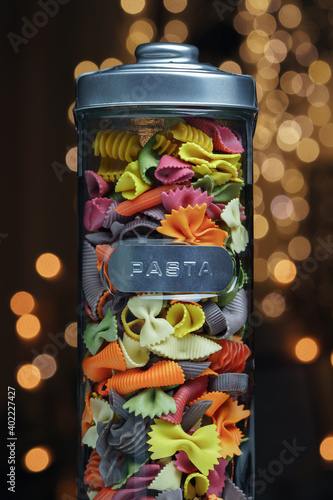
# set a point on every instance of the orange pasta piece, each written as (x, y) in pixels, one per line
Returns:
(145, 200)
(99, 367)
(218, 399)
(105, 494)
(208, 371)
(87, 415)
(159, 374)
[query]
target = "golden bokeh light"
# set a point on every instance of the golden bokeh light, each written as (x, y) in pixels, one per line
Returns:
(22, 303)
(28, 376)
(231, 67)
(256, 41)
(302, 85)
(320, 72)
(260, 226)
(260, 270)
(319, 115)
(247, 55)
(273, 305)
(287, 228)
(286, 81)
(256, 172)
(326, 135)
(277, 101)
(257, 7)
(299, 248)
(273, 169)
(306, 53)
(244, 22)
(28, 326)
(71, 159)
(262, 138)
(176, 31)
(276, 51)
(306, 125)
(110, 62)
(292, 181)
(301, 208)
(37, 459)
(46, 365)
(282, 207)
(70, 113)
(133, 6)
(290, 16)
(141, 31)
(285, 271)
(326, 448)
(289, 134)
(71, 334)
(307, 350)
(48, 265)
(257, 196)
(85, 67)
(308, 150)
(299, 37)
(273, 259)
(265, 23)
(144, 26)
(319, 96)
(175, 6)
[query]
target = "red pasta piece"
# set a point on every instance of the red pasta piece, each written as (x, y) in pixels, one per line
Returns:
(192, 389)
(92, 476)
(231, 358)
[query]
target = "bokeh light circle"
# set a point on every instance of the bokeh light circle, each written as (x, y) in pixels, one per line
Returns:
(285, 271)
(306, 350)
(37, 459)
(22, 303)
(133, 6)
(299, 248)
(85, 67)
(71, 334)
(28, 376)
(290, 16)
(282, 207)
(326, 448)
(28, 326)
(48, 265)
(273, 305)
(71, 159)
(46, 365)
(308, 150)
(175, 6)
(260, 226)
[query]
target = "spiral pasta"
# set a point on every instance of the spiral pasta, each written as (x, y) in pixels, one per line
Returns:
(165, 144)
(117, 144)
(186, 133)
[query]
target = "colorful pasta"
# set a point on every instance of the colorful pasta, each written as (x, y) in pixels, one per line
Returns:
(116, 144)
(231, 358)
(186, 133)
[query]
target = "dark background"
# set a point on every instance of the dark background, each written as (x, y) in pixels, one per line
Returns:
(38, 214)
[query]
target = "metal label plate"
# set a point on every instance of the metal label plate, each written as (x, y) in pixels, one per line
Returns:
(170, 268)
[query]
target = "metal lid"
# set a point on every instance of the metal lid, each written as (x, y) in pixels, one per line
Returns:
(166, 74)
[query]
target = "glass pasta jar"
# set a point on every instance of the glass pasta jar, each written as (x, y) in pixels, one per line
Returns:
(165, 256)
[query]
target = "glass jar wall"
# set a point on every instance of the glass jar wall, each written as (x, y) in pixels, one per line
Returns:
(166, 351)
